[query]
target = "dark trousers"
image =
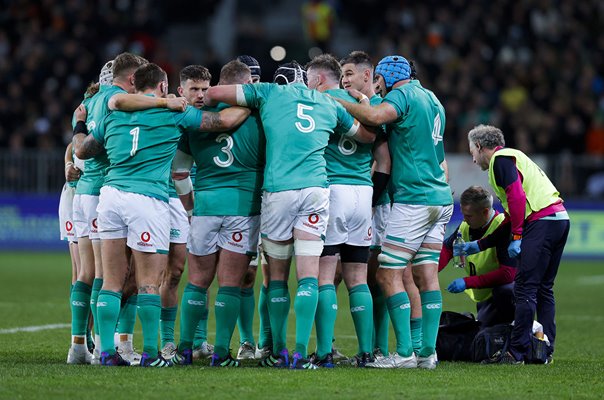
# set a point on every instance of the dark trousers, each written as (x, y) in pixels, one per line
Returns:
(497, 309)
(542, 246)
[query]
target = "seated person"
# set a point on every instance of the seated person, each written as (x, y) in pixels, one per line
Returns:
(490, 273)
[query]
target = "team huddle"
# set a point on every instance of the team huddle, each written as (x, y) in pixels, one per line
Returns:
(340, 168)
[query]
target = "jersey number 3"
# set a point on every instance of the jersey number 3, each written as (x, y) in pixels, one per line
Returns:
(226, 149)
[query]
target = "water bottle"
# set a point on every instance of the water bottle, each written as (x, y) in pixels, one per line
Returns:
(459, 261)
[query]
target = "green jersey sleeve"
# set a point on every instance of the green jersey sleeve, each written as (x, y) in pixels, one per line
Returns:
(256, 93)
(99, 132)
(398, 100)
(188, 120)
(345, 121)
(184, 144)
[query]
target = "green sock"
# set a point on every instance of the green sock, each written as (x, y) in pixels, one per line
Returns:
(416, 334)
(278, 310)
(381, 321)
(245, 322)
(201, 330)
(305, 307)
(361, 308)
(265, 338)
(108, 310)
(226, 310)
(192, 307)
(149, 309)
(80, 308)
(97, 284)
(167, 320)
(325, 318)
(399, 308)
(127, 318)
(432, 303)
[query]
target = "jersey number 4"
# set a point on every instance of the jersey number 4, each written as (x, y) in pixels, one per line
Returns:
(436, 135)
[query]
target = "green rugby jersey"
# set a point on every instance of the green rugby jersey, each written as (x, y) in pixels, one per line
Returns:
(416, 148)
(297, 123)
(86, 102)
(141, 145)
(93, 177)
(348, 162)
(228, 180)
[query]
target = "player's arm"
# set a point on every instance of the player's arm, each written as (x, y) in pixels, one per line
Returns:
(137, 102)
(383, 113)
(446, 252)
(381, 168)
(85, 146)
(225, 120)
(181, 175)
(71, 172)
(229, 94)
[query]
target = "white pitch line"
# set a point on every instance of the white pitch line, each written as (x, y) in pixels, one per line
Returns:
(36, 328)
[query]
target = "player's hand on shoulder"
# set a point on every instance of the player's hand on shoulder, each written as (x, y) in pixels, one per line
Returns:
(357, 95)
(81, 113)
(177, 103)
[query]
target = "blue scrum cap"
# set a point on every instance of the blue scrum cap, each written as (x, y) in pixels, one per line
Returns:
(290, 73)
(393, 69)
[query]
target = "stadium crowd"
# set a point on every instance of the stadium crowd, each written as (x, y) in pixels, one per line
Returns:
(533, 67)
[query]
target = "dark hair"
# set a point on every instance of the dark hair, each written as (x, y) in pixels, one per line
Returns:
(413, 70)
(326, 62)
(194, 73)
(252, 63)
(234, 72)
(148, 76)
(358, 57)
(125, 63)
(476, 196)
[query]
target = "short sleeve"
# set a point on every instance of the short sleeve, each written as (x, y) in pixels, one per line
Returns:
(346, 123)
(396, 98)
(256, 93)
(188, 120)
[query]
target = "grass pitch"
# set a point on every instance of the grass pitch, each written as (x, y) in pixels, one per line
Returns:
(35, 291)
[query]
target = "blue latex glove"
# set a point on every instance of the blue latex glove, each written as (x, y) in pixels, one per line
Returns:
(514, 248)
(467, 248)
(457, 286)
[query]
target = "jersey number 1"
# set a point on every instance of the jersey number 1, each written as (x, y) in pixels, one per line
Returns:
(134, 133)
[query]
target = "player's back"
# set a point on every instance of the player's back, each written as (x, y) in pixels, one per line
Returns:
(348, 161)
(140, 146)
(415, 142)
(95, 167)
(297, 124)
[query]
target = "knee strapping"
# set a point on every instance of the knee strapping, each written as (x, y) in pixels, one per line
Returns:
(308, 247)
(394, 259)
(426, 256)
(278, 251)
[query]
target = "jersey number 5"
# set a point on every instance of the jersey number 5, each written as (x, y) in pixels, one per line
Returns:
(311, 122)
(226, 150)
(134, 133)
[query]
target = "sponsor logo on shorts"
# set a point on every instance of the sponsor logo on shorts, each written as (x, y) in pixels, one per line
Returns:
(68, 226)
(369, 233)
(195, 302)
(101, 304)
(79, 304)
(357, 309)
(219, 304)
(432, 306)
(94, 224)
(304, 293)
(279, 300)
(405, 306)
(313, 218)
(145, 238)
(174, 233)
(237, 237)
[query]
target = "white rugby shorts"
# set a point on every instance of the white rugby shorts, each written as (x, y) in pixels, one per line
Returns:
(238, 234)
(411, 225)
(349, 215)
